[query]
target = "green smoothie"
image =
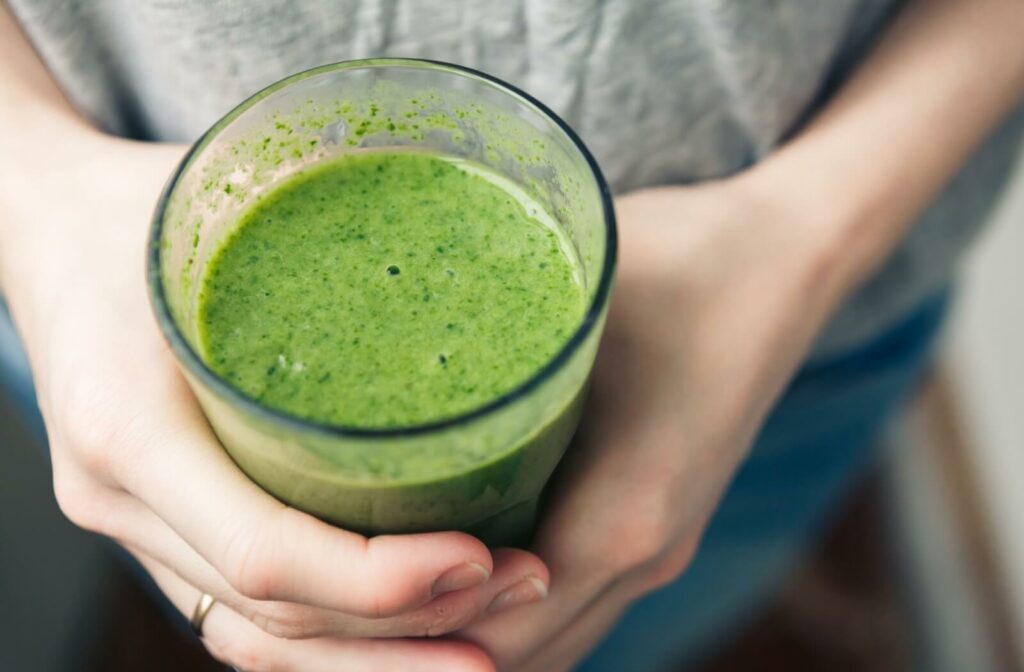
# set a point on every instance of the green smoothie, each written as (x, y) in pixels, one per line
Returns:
(386, 281)
(386, 290)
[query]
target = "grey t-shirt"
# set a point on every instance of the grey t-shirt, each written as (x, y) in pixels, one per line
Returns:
(662, 91)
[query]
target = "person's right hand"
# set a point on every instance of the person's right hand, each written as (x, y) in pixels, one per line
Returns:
(134, 459)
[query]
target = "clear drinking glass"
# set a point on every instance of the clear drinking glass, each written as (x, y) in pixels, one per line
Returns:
(482, 471)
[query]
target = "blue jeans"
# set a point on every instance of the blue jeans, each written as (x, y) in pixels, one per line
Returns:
(814, 445)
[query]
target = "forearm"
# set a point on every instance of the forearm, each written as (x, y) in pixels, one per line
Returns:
(40, 135)
(940, 80)
(29, 96)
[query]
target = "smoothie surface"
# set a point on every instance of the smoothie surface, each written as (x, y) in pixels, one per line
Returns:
(388, 289)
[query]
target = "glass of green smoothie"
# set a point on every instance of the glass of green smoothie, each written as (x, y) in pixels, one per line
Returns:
(385, 281)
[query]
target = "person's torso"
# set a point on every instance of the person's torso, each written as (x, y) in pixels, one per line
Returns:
(662, 91)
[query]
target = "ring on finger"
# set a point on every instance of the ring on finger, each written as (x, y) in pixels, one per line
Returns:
(203, 606)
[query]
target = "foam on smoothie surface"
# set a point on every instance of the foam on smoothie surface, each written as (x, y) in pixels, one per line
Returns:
(387, 289)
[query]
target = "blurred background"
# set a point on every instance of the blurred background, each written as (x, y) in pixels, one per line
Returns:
(923, 569)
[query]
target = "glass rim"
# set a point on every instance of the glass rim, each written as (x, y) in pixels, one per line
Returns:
(195, 365)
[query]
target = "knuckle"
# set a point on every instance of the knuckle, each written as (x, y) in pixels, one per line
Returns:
(658, 576)
(637, 542)
(286, 621)
(664, 571)
(378, 593)
(669, 567)
(87, 425)
(250, 567)
(81, 503)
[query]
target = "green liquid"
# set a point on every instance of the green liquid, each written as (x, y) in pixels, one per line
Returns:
(388, 289)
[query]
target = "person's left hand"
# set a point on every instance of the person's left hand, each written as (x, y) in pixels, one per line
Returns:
(718, 297)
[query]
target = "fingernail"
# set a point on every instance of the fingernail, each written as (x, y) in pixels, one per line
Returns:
(459, 578)
(528, 590)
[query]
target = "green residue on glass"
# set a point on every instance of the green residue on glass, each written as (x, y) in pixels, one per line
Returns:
(318, 130)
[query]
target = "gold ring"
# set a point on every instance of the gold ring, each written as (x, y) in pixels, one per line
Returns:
(206, 602)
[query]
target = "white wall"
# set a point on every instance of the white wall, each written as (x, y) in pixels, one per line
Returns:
(987, 361)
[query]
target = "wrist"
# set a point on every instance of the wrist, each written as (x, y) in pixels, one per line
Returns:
(50, 208)
(834, 227)
(36, 176)
(800, 238)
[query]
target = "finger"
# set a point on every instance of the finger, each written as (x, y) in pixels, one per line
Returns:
(558, 633)
(237, 642)
(149, 534)
(513, 638)
(268, 551)
(519, 578)
(579, 637)
(575, 587)
(511, 635)
(577, 580)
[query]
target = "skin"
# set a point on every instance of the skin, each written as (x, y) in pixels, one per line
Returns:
(766, 256)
